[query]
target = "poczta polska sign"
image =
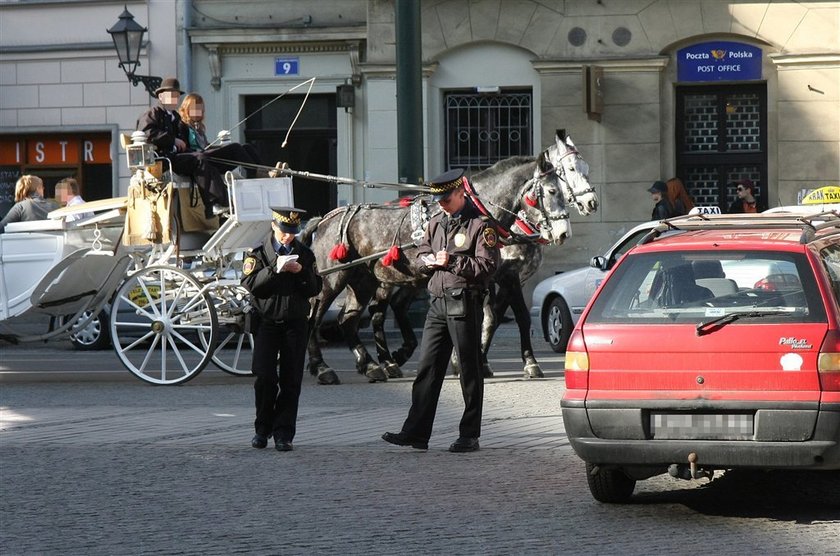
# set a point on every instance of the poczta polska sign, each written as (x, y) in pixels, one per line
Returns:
(719, 61)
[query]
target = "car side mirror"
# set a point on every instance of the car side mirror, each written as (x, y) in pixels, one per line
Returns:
(598, 262)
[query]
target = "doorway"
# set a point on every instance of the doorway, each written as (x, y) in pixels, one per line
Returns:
(311, 147)
(721, 137)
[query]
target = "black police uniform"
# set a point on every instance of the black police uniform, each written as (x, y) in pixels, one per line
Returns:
(454, 319)
(281, 300)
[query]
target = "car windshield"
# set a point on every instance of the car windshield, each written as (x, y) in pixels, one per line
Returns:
(699, 286)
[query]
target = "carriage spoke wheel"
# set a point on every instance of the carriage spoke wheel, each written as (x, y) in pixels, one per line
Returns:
(235, 348)
(162, 326)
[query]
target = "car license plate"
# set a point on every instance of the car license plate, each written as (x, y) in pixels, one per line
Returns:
(701, 426)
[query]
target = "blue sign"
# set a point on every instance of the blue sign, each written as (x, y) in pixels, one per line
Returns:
(286, 66)
(719, 61)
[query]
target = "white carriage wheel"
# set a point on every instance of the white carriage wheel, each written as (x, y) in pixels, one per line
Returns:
(163, 326)
(235, 348)
(234, 352)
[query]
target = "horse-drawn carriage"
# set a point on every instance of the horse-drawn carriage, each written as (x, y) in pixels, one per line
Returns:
(172, 295)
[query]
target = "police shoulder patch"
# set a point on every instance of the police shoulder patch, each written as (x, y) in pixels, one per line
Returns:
(249, 265)
(489, 236)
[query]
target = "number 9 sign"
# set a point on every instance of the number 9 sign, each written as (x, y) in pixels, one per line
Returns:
(286, 66)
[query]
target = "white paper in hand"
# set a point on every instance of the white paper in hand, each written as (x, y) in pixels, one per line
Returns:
(283, 259)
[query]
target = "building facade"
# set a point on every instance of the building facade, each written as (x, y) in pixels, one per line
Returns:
(708, 91)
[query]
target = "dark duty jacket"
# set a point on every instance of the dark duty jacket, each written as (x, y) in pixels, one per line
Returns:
(280, 296)
(473, 251)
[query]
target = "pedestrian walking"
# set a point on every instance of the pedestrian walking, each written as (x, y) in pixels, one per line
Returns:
(662, 207)
(281, 276)
(460, 252)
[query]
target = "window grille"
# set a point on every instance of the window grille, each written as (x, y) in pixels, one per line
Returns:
(483, 128)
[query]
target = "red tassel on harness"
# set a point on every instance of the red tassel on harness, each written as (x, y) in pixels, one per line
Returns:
(339, 252)
(530, 201)
(405, 202)
(392, 256)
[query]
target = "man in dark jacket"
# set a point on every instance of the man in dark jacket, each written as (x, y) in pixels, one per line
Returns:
(662, 208)
(166, 132)
(461, 254)
(281, 277)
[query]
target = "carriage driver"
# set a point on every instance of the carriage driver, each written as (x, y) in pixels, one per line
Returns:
(281, 277)
(460, 253)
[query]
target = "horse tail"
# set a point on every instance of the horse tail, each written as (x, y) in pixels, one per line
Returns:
(309, 230)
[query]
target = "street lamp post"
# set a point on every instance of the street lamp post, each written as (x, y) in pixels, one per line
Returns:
(128, 38)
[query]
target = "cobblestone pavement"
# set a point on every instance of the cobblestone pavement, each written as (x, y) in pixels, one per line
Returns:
(104, 464)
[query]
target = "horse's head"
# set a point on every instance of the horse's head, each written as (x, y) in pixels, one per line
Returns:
(544, 202)
(573, 172)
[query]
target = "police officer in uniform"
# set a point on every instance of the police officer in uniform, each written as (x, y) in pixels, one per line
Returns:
(459, 252)
(281, 277)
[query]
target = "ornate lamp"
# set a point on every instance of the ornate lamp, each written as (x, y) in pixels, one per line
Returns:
(128, 39)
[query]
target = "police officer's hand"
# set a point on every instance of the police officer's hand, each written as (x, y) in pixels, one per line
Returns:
(291, 266)
(180, 145)
(441, 258)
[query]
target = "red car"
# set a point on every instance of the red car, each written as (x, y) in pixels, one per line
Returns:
(713, 344)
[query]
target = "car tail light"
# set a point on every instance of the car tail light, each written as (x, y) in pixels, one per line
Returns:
(577, 362)
(828, 363)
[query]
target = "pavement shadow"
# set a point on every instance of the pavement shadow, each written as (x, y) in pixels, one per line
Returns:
(795, 496)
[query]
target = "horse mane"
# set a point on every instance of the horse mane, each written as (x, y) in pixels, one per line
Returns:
(503, 165)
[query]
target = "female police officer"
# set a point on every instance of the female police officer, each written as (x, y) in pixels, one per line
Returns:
(281, 276)
(459, 251)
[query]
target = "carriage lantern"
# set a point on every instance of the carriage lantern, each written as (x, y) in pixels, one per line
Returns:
(128, 39)
(139, 153)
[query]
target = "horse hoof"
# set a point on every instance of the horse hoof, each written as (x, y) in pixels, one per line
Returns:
(375, 374)
(486, 371)
(328, 376)
(533, 371)
(393, 370)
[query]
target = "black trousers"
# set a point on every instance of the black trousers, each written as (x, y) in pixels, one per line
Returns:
(440, 335)
(279, 356)
(236, 153)
(209, 179)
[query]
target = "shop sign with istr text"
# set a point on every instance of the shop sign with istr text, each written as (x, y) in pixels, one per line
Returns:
(719, 61)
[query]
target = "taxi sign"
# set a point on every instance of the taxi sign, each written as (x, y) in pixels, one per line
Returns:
(705, 210)
(827, 194)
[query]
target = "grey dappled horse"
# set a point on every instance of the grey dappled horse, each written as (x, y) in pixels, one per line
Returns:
(533, 188)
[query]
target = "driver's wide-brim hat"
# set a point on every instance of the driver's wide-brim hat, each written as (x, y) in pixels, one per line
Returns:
(169, 84)
(287, 218)
(446, 183)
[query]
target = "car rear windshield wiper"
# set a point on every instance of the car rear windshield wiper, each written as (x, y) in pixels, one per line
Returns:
(720, 322)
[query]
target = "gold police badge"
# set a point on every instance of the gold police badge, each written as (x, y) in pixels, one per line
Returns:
(249, 265)
(489, 236)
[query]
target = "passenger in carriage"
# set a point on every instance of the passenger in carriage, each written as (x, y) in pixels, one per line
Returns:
(164, 129)
(29, 202)
(192, 118)
(67, 193)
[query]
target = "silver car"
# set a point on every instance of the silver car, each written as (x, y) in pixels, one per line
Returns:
(559, 300)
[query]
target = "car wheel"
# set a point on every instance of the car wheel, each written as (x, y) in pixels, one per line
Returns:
(609, 485)
(94, 336)
(558, 324)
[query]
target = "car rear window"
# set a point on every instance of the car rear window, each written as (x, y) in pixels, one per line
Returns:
(695, 286)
